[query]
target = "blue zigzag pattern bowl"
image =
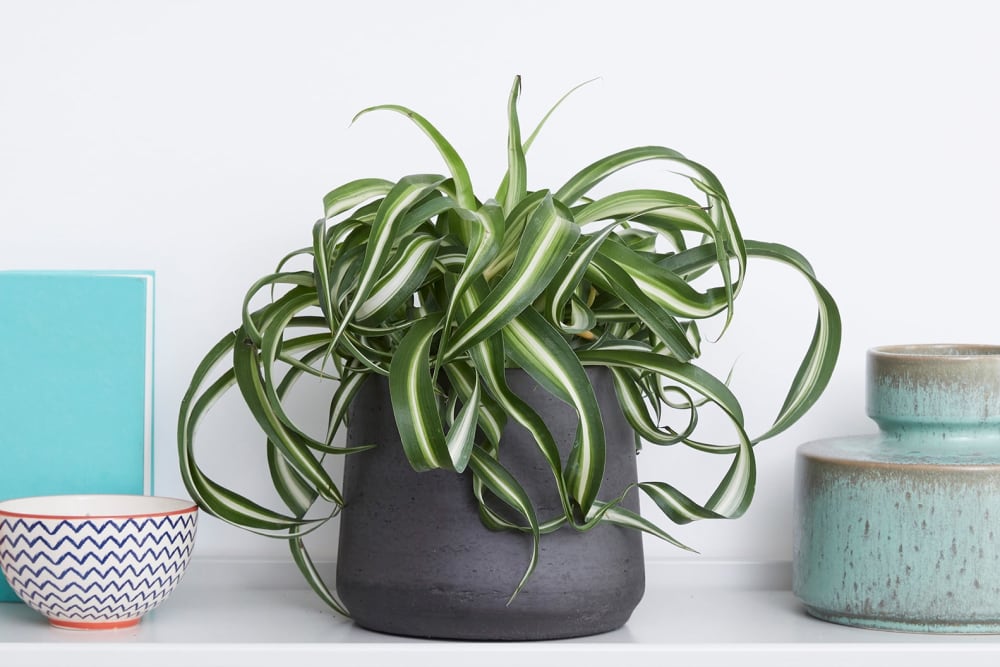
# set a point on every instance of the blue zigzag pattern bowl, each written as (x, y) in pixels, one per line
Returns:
(95, 561)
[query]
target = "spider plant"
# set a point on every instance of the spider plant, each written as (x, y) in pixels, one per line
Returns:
(425, 283)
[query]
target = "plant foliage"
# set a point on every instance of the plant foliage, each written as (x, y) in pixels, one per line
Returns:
(421, 281)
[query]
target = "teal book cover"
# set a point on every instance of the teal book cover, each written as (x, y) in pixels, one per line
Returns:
(76, 384)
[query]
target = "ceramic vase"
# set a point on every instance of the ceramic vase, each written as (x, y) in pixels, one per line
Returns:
(414, 558)
(901, 530)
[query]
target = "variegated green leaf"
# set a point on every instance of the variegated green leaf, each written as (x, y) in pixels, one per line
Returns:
(583, 181)
(491, 419)
(675, 505)
(547, 241)
(500, 482)
(613, 279)
(687, 374)
(462, 434)
(502, 190)
(683, 212)
(298, 278)
(414, 399)
(297, 494)
(401, 279)
(820, 358)
(817, 366)
(485, 229)
(409, 191)
(636, 408)
(515, 224)
(548, 114)
(517, 180)
(214, 498)
(353, 194)
(312, 575)
(568, 277)
(671, 292)
(249, 379)
(730, 238)
(490, 363)
(619, 516)
(348, 387)
(459, 172)
(543, 353)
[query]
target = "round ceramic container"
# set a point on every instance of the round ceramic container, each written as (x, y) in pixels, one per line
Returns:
(95, 561)
(901, 530)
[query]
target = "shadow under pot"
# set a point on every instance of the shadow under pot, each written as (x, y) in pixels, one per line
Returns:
(415, 559)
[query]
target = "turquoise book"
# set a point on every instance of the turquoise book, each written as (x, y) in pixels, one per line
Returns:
(76, 384)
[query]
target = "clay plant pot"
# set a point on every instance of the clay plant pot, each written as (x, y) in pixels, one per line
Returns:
(414, 558)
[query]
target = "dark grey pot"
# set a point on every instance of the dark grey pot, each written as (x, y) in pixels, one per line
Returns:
(415, 560)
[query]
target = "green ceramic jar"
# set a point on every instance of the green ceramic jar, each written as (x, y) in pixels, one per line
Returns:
(901, 530)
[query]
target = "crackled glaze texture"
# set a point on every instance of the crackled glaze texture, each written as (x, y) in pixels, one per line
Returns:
(901, 530)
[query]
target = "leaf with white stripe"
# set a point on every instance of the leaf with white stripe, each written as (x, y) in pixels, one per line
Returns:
(820, 358)
(348, 387)
(484, 231)
(401, 279)
(459, 172)
(211, 496)
(687, 374)
(415, 407)
(547, 241)
(516, 181)
(514, 227)
(615, 280)
(620, 516)
(636, 408)
(461, 436)
(583, 181)
(720, 212)
(286, 279)
(817, 365)
(353, 194)
(492, 418)
(312, 575)
(246, 363)
(671, 292)
(503, 485)
(544, 354)
(568, 277)
(490, 363)
(683, 212)
(406, 193)
(677, 507)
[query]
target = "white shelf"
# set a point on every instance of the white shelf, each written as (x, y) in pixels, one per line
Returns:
(694, 613)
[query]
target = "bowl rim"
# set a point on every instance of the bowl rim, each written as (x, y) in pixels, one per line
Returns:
(181, 506)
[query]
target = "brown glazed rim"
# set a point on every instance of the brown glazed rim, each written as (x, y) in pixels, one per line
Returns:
(935, 350)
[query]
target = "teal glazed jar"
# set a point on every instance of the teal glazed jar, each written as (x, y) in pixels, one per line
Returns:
(901, 530)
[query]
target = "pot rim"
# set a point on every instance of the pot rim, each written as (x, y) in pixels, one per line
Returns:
(937, 351)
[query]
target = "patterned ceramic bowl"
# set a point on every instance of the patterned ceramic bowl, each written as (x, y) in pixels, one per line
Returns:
(95, 561)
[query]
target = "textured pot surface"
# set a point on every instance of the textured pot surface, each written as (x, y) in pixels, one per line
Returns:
(415, 559)
(901, 530)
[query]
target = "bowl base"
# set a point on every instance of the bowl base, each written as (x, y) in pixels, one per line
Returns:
(915, 625)
(103, 625)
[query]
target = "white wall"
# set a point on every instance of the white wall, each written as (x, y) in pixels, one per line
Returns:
(197, 139)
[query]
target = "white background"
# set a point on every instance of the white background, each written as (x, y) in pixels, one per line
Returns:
(197, 139)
